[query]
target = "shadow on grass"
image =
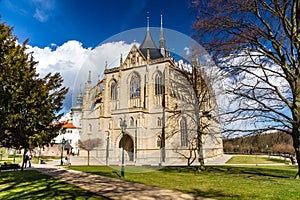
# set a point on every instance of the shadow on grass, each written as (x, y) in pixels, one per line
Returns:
(107, 172)
(268, 172)
(210, 194)
(261, 171)
(35, 185)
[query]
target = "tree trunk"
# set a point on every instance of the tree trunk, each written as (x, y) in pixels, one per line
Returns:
(24, 161)
(296, 123)
(296, 144)
(298, 162)
(200, 149)
(88, 158)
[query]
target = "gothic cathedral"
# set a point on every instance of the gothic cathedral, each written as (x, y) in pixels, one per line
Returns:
(166, 122)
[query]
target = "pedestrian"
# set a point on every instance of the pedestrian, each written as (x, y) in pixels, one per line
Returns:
(26, 158)
(29, 160)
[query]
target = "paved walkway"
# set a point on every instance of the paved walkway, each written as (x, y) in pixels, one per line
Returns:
(77, 160)
(114, 188)
(221, 160)
(109, 187)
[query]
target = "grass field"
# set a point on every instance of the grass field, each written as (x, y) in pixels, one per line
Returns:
(253, 159)
(31, 184)
(223, 182)
(218, 182)
(19, 159)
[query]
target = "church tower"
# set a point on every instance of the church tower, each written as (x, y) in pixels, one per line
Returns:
(162, 41)
(148, 47)
(76, 111)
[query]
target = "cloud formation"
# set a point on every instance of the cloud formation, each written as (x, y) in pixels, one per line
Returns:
(42, 9)
(73, 62)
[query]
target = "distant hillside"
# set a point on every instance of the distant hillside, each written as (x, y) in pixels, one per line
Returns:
(278, 142)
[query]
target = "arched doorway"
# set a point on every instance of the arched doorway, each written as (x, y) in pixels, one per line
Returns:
(128, 146)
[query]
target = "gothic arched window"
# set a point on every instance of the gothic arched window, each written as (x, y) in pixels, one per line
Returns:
(158, 142)
(158, 84)
(114, 91)
(135, 86)
(90, 128)
(183, 132)
(131, 121)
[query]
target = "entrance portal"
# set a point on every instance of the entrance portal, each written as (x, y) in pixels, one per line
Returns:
(128, 146)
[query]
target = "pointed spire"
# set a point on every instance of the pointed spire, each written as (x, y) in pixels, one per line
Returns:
(148, 22)
(149, 45)
(79, 101)
(121, 60)
(80, 90)
(105, 64)
(162, 41)
(89, 81)
(89, 78)
(161, 26)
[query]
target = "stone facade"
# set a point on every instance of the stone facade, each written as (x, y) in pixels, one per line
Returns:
(149, 92)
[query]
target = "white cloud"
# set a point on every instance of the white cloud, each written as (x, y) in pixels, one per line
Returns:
(43, 8)
(187, 51)
(73, 62)
(266, 84)
(40, 15)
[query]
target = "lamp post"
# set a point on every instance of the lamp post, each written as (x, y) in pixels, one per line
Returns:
(107, 152)
(62, 151)
(123, 127)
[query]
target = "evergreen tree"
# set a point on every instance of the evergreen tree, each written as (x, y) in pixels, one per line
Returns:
(29, 105)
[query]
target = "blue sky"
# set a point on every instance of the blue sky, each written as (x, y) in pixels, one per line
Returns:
(65, 34)
(47, 22)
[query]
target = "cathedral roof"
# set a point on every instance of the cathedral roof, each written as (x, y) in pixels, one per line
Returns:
(148, 43)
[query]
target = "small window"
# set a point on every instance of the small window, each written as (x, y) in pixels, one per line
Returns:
(183, 132)
(159, 122)
(114, 91)
(131, 121)
(158, 84)
(158, 142)
(135, 86)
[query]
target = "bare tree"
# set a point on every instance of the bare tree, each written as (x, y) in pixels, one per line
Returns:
(192, 100)
(89, 145)
(190, 154)
(257, 44)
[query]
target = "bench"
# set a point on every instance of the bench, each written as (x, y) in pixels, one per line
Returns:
(9, 167)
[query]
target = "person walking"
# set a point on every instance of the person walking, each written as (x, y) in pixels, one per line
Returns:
(29, 160)
(26, 158)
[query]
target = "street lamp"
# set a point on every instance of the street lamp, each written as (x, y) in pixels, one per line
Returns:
(63, 141)
(123, 128)
(107, 152)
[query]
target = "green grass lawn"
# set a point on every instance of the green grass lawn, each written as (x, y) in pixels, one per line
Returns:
(219, 182)
(18, 159)
(31, 184)
(253, 159)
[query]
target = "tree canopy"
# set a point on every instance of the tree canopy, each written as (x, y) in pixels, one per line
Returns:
(257, 45)
(29, 104)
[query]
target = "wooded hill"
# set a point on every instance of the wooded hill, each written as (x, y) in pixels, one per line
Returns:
(277, 142)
